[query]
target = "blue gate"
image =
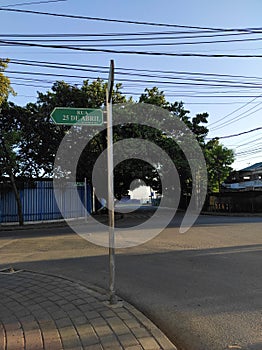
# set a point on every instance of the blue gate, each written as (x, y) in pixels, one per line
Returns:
(39, 203)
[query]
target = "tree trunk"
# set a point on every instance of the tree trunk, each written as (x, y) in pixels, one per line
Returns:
(18, 200)
(7, 160)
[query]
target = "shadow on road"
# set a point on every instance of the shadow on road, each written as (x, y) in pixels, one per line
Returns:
(201, 298)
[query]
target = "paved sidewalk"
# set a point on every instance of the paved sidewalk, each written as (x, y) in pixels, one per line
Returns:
(39, 311)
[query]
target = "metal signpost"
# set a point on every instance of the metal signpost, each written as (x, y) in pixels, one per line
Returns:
(88, 116)
(110, 181)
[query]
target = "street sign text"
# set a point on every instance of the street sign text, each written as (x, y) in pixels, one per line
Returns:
(81, 116)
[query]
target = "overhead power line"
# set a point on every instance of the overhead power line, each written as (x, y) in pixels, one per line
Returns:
(128, 21)
(248, 143)
(175, 94)
(249, 158)
(2, 8)
(148, 53)
(126, 37)
(31, 85)
(96, 42)
(170, 80)
(238, 117)
(174, 34)
(235, 135)
(249, 152)
(84, 66)
(106, 19)
(236, 110)
(251, 148)
(33, 3)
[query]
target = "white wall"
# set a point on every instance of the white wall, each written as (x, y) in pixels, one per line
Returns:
(142, 192)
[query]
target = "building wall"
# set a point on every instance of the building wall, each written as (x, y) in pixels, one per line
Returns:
(236, 202)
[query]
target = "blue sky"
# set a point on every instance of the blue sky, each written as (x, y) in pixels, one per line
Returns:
(218, 14)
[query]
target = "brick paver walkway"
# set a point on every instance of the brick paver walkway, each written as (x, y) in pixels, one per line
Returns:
(39, 311)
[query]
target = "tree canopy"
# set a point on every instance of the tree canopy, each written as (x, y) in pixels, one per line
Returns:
(5, 84)
(39, 137)
(218, 160)
(10, 137)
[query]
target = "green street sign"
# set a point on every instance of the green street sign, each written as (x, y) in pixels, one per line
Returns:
(81, 116)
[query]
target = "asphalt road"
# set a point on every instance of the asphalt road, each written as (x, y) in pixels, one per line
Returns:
(203, 288)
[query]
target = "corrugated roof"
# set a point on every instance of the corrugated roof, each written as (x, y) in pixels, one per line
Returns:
(252, 167)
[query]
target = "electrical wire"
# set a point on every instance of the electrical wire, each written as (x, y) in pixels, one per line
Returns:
(115, 35)
(238, 134)
(249, 158)
(147, 53)
(236, 117)
(31, 85)
(33, 3)
(248, 143)
(254, 148)
(65, 39)
(236, 110)
(174, 94)
(190, 81)
(239, 117)
(257, 142)
(74, 66)
(130, 21)
(108, 19)
(249, 152)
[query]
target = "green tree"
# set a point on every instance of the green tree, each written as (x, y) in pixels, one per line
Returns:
(218, 160)
(9, 138)
(10, 162)
(5, 85)
(197, 125)
(155, 97)
(41, 138)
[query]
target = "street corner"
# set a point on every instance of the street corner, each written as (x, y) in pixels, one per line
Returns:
(40, 311)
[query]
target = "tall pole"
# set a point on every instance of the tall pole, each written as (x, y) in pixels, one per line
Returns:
(85, 198)
(110, 182)
(93, 200)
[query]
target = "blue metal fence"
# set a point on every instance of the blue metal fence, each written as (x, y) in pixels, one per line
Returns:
(39, 203)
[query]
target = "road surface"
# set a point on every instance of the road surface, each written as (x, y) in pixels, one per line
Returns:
(203, 288)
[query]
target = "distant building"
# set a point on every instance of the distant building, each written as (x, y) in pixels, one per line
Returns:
(240, 193)
(247, 179)
(143, 193)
